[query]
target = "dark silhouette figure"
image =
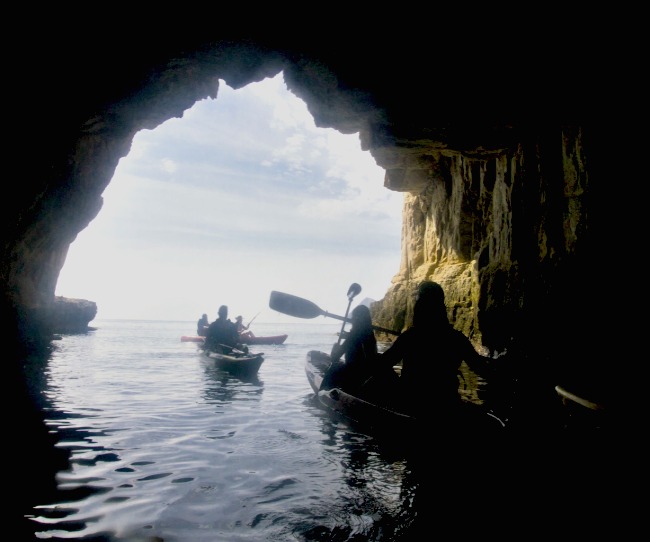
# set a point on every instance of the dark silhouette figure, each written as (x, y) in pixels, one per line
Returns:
(202, 326)
(222, 334)
(243, 330)
(360, 368)
(431, 352)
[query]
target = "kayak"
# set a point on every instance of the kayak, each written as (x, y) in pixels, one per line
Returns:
(192, 339)
(271, 339)
(358, 410)
(237, 364)
(372, 415)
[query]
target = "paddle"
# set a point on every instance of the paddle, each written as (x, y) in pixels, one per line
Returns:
(302, 308)
(232, 350)
(252, 320)
(353, 291)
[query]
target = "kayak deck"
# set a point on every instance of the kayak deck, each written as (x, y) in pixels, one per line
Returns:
(192, 339)
(237, 364)
(271, 339)
(351, 407)
(380, 414)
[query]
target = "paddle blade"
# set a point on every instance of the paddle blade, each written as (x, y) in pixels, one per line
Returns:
(293, 305)
(353, 291)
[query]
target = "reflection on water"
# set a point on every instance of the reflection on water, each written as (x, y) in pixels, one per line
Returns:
(379, 496)
(163, 444)
(222, 388)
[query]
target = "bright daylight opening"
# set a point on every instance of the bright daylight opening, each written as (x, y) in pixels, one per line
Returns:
(241, 196)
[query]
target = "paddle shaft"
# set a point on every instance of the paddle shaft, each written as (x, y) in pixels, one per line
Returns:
(352, 292)
(252, 319)
(343, 318)
(303, 308)
(233, 349)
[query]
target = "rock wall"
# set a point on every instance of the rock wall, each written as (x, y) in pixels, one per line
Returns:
(479, 221)
(72, 315)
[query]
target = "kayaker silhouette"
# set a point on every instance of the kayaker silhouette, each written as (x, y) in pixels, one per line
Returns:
(222, 334)
(243, 330)
(360, 374)
(359, 349)
(202, 325)
(431, 352)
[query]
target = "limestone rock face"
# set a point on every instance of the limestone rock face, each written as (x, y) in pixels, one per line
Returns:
(472, 228)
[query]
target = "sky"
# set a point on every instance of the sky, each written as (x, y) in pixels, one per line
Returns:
(241, 196)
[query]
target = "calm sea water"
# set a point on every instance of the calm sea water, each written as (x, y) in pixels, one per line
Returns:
(165, 447)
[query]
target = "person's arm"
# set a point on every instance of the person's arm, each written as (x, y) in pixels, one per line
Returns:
(394, 353)
(337, 351)
(341, 349)
(478, 363)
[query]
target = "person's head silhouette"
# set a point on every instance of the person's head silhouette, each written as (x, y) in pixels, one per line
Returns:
(361, 318)
(430, 308)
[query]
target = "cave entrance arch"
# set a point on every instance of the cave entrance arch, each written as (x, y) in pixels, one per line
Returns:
(250, 166)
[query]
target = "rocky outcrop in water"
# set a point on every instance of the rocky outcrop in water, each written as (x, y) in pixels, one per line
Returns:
(72, 315)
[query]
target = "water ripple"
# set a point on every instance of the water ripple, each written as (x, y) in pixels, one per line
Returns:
(165, 446)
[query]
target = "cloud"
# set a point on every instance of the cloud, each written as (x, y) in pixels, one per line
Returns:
(242, 195)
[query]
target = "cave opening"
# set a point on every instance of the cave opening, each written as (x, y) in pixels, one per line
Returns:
(240, 196)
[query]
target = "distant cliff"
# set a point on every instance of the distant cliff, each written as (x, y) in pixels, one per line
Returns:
(71, 315)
